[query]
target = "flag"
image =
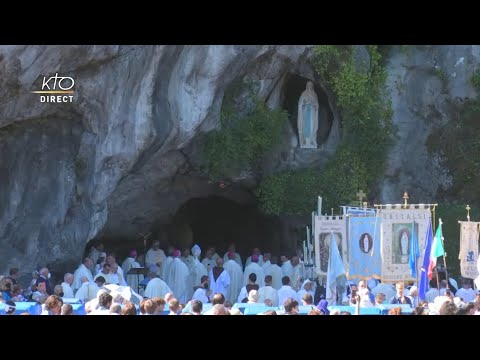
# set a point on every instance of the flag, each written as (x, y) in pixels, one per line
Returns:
(437, 250)
(423, 284)
(414, 252)
(334, 272)
(364, 248)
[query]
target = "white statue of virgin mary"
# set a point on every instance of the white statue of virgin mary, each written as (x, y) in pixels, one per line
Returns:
(307, 119)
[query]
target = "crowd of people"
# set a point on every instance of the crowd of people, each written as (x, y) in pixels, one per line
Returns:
(180, 282)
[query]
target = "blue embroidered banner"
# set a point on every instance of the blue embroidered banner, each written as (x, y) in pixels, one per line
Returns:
(364, 247)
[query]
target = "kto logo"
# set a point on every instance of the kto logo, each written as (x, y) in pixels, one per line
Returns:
(56, 87)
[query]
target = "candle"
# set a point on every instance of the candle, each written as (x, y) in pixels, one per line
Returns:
(319, 205)
(304, 251)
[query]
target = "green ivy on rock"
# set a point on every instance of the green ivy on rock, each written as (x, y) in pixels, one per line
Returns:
(367, 133)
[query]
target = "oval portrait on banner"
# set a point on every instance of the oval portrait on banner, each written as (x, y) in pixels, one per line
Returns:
(365, 242)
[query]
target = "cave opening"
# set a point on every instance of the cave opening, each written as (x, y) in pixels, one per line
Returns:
(294, 86)
(210, 220)
(218, 221)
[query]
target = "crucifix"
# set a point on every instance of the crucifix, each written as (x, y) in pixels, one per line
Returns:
(405, 198)
(361, 195)
(468, 212)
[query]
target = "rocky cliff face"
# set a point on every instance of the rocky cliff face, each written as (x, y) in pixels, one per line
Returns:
(124, 153)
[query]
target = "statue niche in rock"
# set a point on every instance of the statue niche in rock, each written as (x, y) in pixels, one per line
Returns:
(307, 119)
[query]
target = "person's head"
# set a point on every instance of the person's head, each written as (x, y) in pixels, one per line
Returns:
(307, 299)
(466, 284)
(115, 309)
(231, 247)
(176, 254)
(168, 296)
(307, 285)
(54, 304)
(252, 278)
(111, 259)
(174, 306)
(100, 281)
(58, 290)
(380, 298)
(88, 263)
(219, 262)
(400, 289)
(129, 309)
(419, 310)
(283, 258)
(114, 268)
(41, 285)
(105, 300)
(268, 302)
(160, 304)
(133, 253)
(209, 253)
(295, 260)
(253, 296)
(315, 312)
(413, 291)
(67, 309)
(156, 245)
(205, 281)
(395, 310)
(291, 306)
(267, 256)
(270, 312)
(150, 307)
(68, 278)
(285, 280)
(45, 272)
(106, 268)
(196, 306)
(219, 309)
(268, 280)
(16, 290)
(186, 252)
(443, 284)
(254, 258)
(448, 308)
(218, 298)
(14, 272)
(362, 285)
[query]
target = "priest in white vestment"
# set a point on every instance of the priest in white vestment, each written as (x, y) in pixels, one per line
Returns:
(95, 252)
(286, 266)
(87, 291)
(128, 264)
(268, 292)
(255, 251)
(286, 291)
(305, 288)
(84, 270)
(196, 269)
(202, 292)
(155, 258)
(178, 278)
(166, 263)
(254, 268)
(276, 272)
(236, 278)
(156, 287)
(67, 286)
(266, 261)
(116, 276)
(238, 259)
(209, 261)
(298, 273)
(219, 279)
(106, 273)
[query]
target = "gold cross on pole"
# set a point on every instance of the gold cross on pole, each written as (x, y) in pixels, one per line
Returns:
(468, 212)
(405, 198)
(361, 195)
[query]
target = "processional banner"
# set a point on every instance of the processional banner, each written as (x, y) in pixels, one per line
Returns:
(396, 234)
(324, 227)
(364, 239)
(468, 255)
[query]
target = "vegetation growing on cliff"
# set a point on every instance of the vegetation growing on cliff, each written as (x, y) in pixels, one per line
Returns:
(367, 127)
